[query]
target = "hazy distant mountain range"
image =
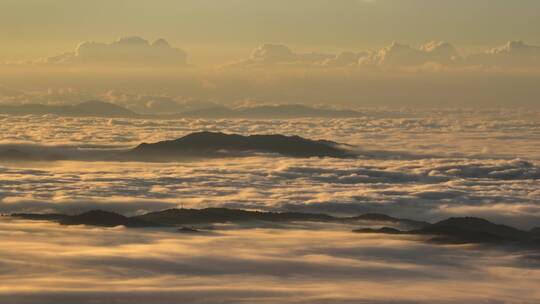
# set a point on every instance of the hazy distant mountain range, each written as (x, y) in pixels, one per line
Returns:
(85, 109)
(465, 230)
(104, 109)
(272, 111)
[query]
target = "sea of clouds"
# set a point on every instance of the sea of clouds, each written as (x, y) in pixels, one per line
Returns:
(425, 166)
(422, 165)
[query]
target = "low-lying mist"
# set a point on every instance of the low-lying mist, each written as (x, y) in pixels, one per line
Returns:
(53, 264)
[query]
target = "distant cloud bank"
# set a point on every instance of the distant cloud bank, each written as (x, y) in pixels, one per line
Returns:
(125, 51)
(135, 51)
(155, 77)
(280, 54)
(514, 54)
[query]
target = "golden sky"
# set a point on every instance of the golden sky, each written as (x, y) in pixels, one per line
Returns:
(214, 31)
(354, 52)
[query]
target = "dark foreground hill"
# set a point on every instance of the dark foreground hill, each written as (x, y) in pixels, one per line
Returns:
(208, 216)
(219, 144)
(105, 219)
(91, 218)
(468, 230)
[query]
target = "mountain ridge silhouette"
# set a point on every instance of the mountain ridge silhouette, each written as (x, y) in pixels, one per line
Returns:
(216, 143)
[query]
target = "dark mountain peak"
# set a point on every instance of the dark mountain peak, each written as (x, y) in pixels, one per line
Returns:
(468, 230)
(383, 230)
(477, 224)
(472, 230)
(470, 221)
(100, 213)
(205, 133)
(207, 136)
(225, 215)
(216, 143)
(103, 219)
(376, 217)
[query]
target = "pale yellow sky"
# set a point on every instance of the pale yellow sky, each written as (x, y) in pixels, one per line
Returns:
(212, 57)
(212, 31)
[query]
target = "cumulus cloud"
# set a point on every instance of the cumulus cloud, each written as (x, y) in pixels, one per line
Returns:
(132, 51)
(515, 54)
(395, 55)
(269, 54)
(401, 55)
(434, 55)
(344, 59)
